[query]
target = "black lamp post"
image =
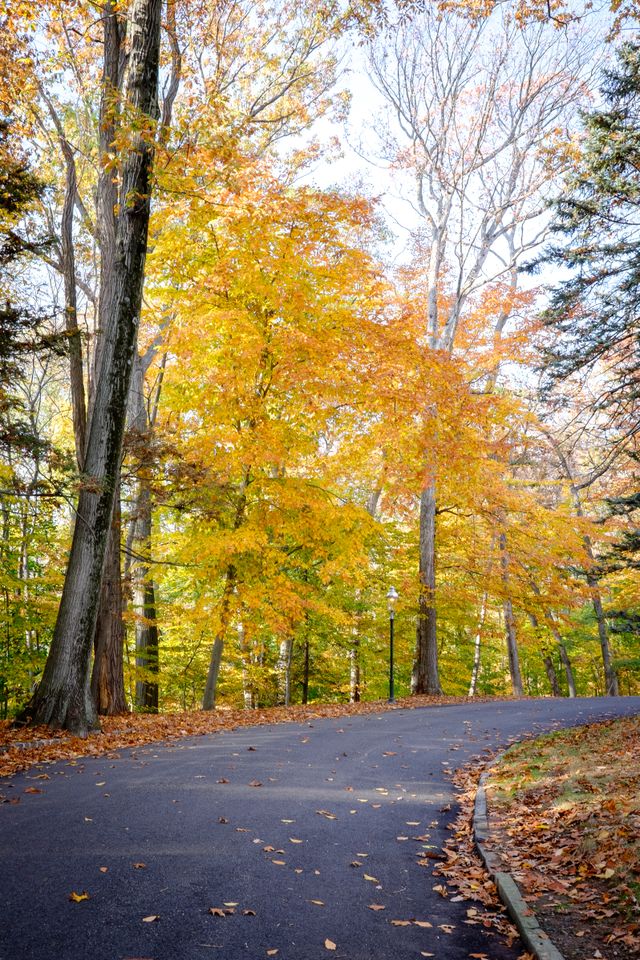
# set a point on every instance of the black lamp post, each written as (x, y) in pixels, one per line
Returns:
(392, 597)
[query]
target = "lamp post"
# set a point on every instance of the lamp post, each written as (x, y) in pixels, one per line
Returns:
(392, 597)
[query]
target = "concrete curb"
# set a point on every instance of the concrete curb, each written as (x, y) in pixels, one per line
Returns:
(535, 939)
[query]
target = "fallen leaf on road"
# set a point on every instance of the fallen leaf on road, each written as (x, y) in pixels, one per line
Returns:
(139, 866)
(217, 912)
(151, 918)
(355, 863)
(279, 863)
(78, 897)
(422, 923)
(375, 906)
(325, 813)
(401, 923)
(222, 820)
(32, 790)
(367, 877)
(255, 783)
(222, 780)
(248, 913)
(295, 840)
(231, 903)
(318, 903)
(271, 953)
(446, 927)
(103, 869)
(329, 945)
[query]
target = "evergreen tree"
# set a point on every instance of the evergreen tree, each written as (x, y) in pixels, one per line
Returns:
(595, 311)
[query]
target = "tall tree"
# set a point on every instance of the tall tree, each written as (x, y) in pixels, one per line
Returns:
(63, 697)
(593, 315)
(472, 106)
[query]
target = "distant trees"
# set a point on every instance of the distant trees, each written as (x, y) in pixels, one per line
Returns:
(594, 313)
(474, 110)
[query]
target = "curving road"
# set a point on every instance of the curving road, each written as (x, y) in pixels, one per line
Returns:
(171, 831)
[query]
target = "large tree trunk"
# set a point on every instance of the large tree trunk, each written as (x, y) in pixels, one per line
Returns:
(425, 677)
(107, 678)
(510, 623)
(63, 698)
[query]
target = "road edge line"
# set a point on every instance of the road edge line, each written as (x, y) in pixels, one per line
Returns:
(535, 939)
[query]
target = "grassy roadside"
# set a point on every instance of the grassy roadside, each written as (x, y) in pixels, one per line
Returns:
(565, 819)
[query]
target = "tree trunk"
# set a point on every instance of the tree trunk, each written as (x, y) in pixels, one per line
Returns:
(284, 671)
(147, 647)
(305, 676)
(209, 698)
(354, 676)
(107, 678)
(144, 600)
(509, 622)
(245, 654)
(63, 697)
(566, 663)
(475, 673)
(425, 678)
(553, 677)
(610, 676)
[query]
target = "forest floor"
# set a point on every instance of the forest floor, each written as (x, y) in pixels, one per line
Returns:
(564, 811)
(22, 747)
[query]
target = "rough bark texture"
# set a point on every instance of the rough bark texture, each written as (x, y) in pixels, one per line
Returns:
(63, 698)
(107, 677)
(425, 678)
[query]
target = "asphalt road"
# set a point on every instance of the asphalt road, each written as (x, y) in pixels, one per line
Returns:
(171, 831)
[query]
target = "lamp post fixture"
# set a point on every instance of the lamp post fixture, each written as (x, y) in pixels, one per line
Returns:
(392, 597)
